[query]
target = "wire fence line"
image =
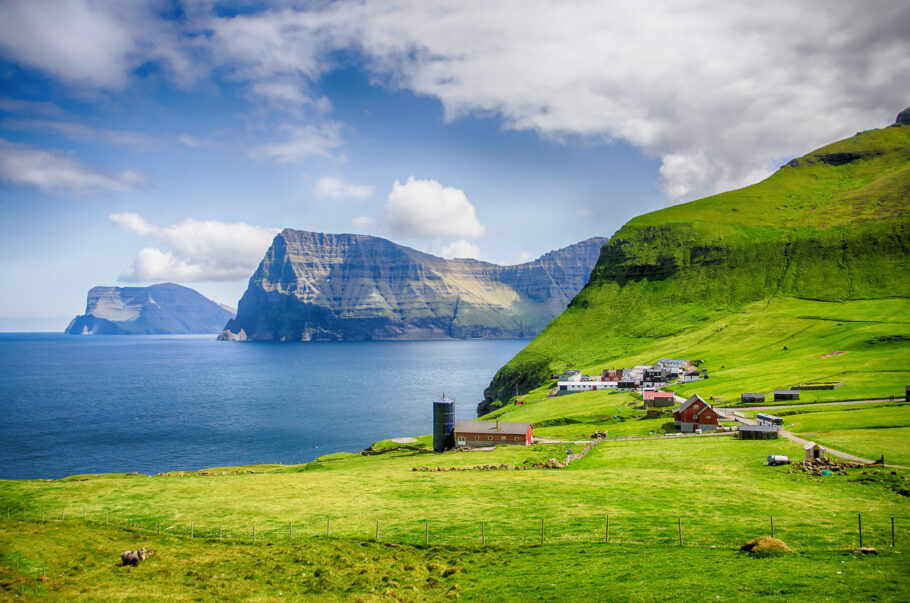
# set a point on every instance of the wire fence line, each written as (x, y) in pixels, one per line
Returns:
(839, 531)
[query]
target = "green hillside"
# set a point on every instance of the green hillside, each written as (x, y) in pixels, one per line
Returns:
(765, 283)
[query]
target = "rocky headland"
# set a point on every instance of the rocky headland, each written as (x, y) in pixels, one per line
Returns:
(154, 310)
(322, 287)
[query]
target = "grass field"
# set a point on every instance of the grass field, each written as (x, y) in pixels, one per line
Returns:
(75, 562)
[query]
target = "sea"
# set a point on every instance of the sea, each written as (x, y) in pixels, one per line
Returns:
(145, 403)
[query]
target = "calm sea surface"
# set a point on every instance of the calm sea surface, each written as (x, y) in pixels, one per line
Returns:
(158, 403)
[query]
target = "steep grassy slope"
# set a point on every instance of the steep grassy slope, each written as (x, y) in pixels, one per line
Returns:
(760, 282)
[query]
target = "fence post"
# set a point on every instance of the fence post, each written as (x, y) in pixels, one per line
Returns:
(377, 530)
(542, 528)
(607, 531)
(426, 533)
(192, 530)
(254, 533)
(772, 526)
(219, 531)
(159, 527)
(105, 517)
(328, 526)
(483, 533)
(42, 514)
(892, 531)
(290, 530)
(859, 519)
(679, 529)
(61, 514)
(83, 512)
(24, 509)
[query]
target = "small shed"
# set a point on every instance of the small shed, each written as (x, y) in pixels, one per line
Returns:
(814, 452)
(757, 432)
(475, 434)
(752, 398)
(786, 394)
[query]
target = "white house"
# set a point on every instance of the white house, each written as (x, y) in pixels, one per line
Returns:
(574, 387)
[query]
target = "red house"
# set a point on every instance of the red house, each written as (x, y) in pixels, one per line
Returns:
(476, 434)
(694, 414)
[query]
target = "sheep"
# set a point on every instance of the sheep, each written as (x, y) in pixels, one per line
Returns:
(132, 557)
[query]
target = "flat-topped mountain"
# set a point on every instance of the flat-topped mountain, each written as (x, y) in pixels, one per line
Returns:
(155, 310)
(316, 286)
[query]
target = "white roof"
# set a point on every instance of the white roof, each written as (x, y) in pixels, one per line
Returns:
(810, 445)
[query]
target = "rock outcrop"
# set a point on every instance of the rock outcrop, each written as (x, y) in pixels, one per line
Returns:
(318, 287)
(154, 310)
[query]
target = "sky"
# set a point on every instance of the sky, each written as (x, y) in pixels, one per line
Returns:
(169, 141)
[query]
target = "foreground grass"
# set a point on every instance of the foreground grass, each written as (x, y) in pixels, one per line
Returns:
(73, 561)
(719, 487)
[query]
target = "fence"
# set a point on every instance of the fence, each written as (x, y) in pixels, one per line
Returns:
(838, 532)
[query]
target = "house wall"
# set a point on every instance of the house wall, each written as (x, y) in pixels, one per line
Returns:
(483, 439)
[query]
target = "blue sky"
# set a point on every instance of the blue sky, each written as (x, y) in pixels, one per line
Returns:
(167, 141)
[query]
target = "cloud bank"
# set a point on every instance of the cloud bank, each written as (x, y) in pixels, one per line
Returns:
(52, 172)
(718, 93)
(196, 250)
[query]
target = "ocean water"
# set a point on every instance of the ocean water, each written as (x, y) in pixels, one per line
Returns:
(99, 404)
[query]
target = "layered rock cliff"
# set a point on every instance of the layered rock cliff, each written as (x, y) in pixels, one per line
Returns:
(157, 309)
(315, 286)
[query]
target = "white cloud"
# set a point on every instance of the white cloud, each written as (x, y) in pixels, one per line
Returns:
(524, 256)
(83, 133)
(52, 172)
(96, 44)
(362, 222)
(461, 249)
(427, 209)
(193, 142)
(198, 250)
(302, 142)
(331, 187)
(16, 105)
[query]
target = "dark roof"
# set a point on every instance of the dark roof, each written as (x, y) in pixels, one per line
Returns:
(786, 391)
(692, 399)
(753, 395)
(762, 428)
(489, 427)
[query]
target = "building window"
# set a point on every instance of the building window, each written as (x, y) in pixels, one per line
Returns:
(503, 438)
(490, 438)
(476, 438)
(517, 439)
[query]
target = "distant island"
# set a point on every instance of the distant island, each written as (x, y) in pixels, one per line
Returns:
(154, 310)
(322, 287)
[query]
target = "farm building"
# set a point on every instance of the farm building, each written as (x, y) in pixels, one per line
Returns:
(658, 399)
(766, 419)
(757, 432)
(786, 394)
(574, 387)
(476, 434)
(694, 414)
(814, 451)
(691, 376)
(753, 398)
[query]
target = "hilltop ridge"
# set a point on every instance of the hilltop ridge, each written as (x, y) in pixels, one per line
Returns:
(816, 255)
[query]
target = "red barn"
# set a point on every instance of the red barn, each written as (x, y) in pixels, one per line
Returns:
(476, 434)
(694, 414)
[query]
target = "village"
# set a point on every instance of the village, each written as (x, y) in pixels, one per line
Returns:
(691, 416)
